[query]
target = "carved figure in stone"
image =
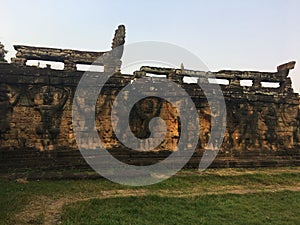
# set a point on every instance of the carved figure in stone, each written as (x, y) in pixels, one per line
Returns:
(269, 117)
(83, 110)
(242, 126)
(210, 118)
(205, 121)
(140, 117)
(249, 130)
(233, 123)
(50, 113)
(143, 113)
(217, 122)
(288, 116)
(6, 107)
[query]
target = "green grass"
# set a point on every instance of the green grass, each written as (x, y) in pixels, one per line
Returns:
(15, 196)
(263, 208)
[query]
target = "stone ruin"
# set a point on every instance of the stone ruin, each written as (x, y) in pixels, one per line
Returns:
(2, 53)
(36, 105)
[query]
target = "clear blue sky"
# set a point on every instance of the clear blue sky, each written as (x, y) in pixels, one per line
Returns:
(224, 34)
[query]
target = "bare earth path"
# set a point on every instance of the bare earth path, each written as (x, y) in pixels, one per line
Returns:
(47, 210)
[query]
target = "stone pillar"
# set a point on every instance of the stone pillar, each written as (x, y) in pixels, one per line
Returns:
(256, 83)
(234, 82)
(68, 65)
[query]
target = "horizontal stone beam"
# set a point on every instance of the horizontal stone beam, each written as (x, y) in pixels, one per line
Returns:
(28, 76)
(157, 70)
(57, 55)
(278, 76)
(15, 75)
(72, 57)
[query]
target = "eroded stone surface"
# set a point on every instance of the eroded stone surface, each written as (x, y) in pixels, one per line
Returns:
(257, 118)
(36, 104)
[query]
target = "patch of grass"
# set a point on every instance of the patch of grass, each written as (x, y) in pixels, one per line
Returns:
(261, 208)
(190, 180)
(12, 199)
(15, 196)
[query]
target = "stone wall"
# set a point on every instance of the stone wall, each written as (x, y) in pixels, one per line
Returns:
(36, 108)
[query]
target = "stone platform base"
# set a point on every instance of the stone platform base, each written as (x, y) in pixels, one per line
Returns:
(69, 164)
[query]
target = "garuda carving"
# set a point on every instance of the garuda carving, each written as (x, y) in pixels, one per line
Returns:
(7, 103)
(51, 111)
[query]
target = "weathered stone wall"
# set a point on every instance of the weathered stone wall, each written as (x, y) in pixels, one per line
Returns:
(36, 128)
(36, 107)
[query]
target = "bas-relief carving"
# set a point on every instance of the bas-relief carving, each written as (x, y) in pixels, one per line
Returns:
(50, 112)
(7, 102)
(257, 117)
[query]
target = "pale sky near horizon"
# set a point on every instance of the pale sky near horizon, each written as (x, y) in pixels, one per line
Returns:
(228, 34)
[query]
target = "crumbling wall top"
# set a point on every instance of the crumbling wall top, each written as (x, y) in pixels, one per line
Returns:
(69, 57)
(234, 77)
